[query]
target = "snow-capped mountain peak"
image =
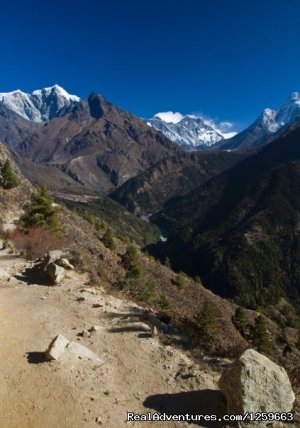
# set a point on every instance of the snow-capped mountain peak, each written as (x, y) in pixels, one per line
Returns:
(186, 130)
(57, 90)
(41, 105)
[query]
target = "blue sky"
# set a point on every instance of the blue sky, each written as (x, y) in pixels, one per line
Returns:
(227, 59)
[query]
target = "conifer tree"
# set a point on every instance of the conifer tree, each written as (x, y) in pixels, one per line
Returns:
(9, 179)
(260, 336)
(40, 211)
(208, 324)
(240, 321)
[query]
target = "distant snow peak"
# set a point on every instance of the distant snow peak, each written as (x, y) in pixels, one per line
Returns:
(295, 96)
(56, 89)
(41, 105)
(186, 130)
(170, 117)
(273, 120)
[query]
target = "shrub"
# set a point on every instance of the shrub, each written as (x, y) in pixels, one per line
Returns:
(9, 179)
(108, 239)
(35, 242)
(130, 262)
(40, 211)
(163, 302)
(179, 280)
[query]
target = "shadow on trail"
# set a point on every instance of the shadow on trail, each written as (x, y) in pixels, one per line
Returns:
(36, 357)
(203, 402)
(32, 275)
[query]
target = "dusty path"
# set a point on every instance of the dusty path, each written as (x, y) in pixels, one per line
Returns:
(138, 375)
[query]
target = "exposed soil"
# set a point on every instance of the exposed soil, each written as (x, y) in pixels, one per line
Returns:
(138, 373)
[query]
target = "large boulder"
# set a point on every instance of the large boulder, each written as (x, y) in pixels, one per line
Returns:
(255, 384)
(52, 267)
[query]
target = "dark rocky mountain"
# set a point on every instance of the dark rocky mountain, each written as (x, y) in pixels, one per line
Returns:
(172, 177)
(240, 230)
(97, 144)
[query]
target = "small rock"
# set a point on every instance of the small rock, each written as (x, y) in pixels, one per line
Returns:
(63, 262)
(4, 275)
(98, 420)
(57, 347)
(53, 256)
(97, 305)
(80, 299)
(154, 330)
(95, 328)
(88, 290)
(85, 333)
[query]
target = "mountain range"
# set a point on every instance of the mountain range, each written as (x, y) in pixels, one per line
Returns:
(229, 214)
(194, 133)
(88, 144)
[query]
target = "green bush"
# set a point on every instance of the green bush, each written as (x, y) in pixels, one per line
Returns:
(108, 239)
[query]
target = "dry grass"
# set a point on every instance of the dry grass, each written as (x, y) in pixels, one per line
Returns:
(35, 242)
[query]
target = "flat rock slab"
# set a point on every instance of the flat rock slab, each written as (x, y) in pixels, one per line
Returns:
(80, 351)
(61, 346)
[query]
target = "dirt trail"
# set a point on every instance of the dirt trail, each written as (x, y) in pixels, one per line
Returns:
(138, 375)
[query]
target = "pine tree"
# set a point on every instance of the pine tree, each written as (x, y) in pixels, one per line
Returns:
(240, 321)
(9, 179)
(260, 336)
(208, 324)
(40, 211)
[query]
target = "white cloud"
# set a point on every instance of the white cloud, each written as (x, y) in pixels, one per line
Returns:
(224, 128)
(170, 116)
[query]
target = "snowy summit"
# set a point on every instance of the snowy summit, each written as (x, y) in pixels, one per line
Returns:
(41, 105)
(189, 131)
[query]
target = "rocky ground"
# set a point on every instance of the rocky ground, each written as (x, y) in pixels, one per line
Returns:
(137, 373)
